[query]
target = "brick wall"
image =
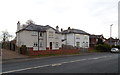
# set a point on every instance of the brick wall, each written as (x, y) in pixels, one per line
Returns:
(60, 51)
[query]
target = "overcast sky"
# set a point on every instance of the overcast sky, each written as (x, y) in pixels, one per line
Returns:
(92, 16)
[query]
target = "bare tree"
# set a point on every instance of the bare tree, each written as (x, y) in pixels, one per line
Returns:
(6, 36)
(5, 39)
(30, 22)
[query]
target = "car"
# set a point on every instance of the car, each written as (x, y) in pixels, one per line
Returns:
(115, 50)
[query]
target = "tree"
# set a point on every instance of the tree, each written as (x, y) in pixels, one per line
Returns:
(30, 22)
(5, 38)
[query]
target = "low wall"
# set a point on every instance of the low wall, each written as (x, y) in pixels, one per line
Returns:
(60, 51)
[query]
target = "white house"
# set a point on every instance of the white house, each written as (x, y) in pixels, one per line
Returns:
(38, 37)
(75, 38)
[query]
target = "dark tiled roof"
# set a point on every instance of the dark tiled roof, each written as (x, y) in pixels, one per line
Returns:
(34, 27)
(76, 31)
(95, 36)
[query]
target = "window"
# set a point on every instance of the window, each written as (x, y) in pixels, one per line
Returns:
(34, 34)
(40, 44)
(78, 44)
(85, 38)
(56, 45)
(77, 36)
(41, 34)
(86, 44)
(35, 44)
(50, 34)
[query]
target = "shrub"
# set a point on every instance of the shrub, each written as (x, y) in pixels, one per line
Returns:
(103, 47)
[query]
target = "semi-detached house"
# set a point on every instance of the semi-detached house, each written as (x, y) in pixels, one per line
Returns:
(76, 38)
(41, 37)
(38, 37)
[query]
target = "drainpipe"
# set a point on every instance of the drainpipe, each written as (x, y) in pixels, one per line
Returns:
(38, 40)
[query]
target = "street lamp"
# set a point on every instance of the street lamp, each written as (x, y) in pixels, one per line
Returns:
(110, 32)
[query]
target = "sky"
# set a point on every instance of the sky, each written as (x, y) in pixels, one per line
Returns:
(92, 16)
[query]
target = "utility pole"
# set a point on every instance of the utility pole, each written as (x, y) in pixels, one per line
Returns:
(110, 32)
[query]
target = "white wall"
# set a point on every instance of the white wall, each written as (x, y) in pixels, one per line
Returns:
(28, 38)
(83, 39)
(55, 38)
(70, 39)
(73, 38)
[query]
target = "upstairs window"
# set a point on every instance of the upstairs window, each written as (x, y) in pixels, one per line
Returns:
(77, 36)
(34, 34)
(41, 34)
(56, 45)
(50, 34)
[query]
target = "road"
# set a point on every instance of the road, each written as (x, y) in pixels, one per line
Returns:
(86, 63)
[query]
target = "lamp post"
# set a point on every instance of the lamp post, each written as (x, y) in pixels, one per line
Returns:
(110, 32)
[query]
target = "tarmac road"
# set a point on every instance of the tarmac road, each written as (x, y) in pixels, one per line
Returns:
(88, 63)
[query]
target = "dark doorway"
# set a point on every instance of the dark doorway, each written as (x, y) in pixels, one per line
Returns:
(51, 45)
(14, 47)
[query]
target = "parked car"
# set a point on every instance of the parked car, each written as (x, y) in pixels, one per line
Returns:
(115, 50)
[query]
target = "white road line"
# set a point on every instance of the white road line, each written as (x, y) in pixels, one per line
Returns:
(25, 69)
(57, 64)
(64, 62)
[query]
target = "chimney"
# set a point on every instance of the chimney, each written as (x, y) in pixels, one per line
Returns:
(18, 26)
(57, 28)
(69, 28)
(61, 29)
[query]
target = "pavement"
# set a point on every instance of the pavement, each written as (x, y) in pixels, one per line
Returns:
(9, 55)
(12, 56)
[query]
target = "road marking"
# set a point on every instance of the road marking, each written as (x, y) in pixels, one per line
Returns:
(57, 64)
(64, 62)
(94, 58)
(25, 69)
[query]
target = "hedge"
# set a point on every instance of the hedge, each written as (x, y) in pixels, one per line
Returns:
(103, 47)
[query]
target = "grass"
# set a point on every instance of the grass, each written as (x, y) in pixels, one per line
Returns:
(93, 50)
(46, 55)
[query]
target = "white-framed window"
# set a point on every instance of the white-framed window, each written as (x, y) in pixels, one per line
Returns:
(86, 44)
(77, 36)
(41, 44)
(78, 44)
(50, 34)
(34, 33)
(41, 34)
(56, 45)
(85, 37)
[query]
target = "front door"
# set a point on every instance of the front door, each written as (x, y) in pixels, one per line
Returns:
(51, 45)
